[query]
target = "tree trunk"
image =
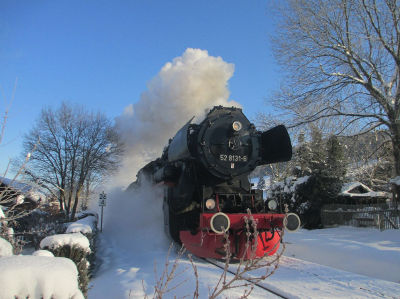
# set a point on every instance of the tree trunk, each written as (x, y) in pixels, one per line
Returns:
(396, 157)
(76, 201)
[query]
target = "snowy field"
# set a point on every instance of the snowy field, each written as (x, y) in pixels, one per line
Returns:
(328, 263)
(364, 251)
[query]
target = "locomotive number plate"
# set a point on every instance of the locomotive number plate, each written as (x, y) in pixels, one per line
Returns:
(233, 158)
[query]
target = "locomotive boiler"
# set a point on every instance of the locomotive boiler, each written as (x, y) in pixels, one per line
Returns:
(207, 194)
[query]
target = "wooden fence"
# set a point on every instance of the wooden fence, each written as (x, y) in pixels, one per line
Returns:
(381, 216)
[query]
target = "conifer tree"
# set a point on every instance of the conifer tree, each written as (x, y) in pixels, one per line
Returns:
(318, 153)
(336, 161)
(302, 157)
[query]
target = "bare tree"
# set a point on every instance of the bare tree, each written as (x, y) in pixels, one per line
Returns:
(74, 147)
(342, 59)
(13, 202)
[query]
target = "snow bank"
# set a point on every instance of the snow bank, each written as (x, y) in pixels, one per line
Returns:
(5, 248)
(38, 277)
(85, 225)
(43, 253)
(75, 239)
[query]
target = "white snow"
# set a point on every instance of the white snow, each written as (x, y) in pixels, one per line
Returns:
(38, 277)
(85, 225)
(43, 253)
(364, 251)
(326, 263)
(5, 248)
(2, 214)
(317, 264)
(74, 239)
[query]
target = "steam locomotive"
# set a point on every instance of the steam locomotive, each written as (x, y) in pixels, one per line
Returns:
(207, 194)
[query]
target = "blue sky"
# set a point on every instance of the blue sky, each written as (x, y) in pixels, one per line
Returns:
(102, 53)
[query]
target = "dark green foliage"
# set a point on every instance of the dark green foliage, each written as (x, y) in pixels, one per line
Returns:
(328, 170)
(336, 160)
(319, 169)
(312, 196)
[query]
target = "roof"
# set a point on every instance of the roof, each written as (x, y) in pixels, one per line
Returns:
(395, 181)
(357, 189)
(26, 190)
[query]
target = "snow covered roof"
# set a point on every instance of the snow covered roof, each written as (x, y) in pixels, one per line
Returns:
(395, 181)
(357, 189)
(26, 190)
(25, 276)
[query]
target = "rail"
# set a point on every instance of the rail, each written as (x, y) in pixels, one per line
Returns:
(274, 292)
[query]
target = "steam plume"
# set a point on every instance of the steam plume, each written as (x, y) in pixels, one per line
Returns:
(188, 86)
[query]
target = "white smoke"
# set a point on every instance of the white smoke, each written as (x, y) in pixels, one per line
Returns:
(134, 219)
(188, 86)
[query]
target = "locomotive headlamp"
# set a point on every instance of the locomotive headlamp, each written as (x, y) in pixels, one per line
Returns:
(272, 205)
(210, 204)
(220, 223)
(237, 126)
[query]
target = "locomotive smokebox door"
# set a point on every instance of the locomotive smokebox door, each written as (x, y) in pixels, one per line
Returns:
(275, 145)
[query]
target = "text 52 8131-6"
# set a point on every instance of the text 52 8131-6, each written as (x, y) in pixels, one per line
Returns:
(233, 158)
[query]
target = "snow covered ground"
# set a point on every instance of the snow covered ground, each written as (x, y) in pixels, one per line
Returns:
(133, 249)
(364, 251)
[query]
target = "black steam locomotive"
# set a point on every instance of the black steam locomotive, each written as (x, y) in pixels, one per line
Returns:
(204, 171)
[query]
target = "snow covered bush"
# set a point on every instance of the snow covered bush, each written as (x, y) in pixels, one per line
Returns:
(74, 246)
(38, 277)
(286, 192)
(88, 227)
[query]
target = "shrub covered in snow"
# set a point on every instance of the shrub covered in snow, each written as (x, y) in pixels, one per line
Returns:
(74, 246)
(87, 225)
(38, 277)
(57, 241)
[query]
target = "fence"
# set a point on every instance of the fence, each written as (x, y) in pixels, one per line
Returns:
(382, 216)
